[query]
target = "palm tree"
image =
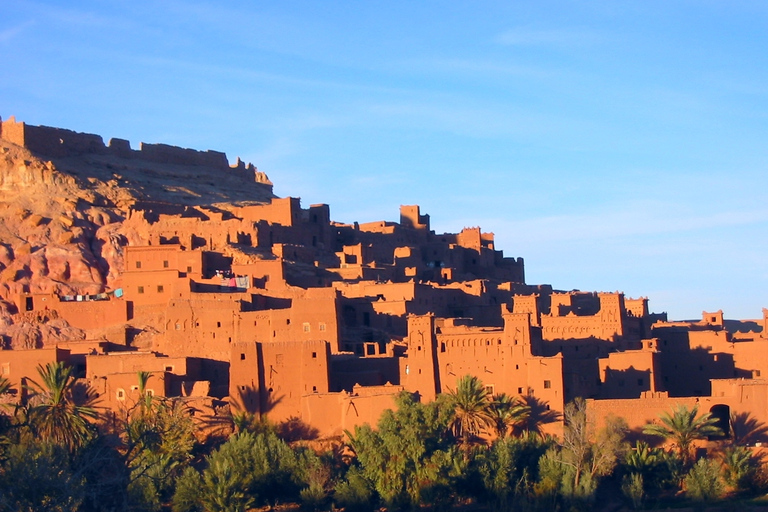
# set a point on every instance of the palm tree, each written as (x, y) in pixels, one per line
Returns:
(683, 427)
(507, 414)
(56, 416)
(471, 404)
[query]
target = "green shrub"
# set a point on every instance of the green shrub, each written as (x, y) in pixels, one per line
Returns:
(703, 482)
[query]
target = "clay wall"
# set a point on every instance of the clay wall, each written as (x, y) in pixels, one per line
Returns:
(154, 288)
(333, 413)
(18, 366)
(410, 217)
(630, 373)
(265, 274)
(201, 326)
(101, 365)
(94, 314)
(120, 391)
(83, 314)
(747, 400)
(280, 374)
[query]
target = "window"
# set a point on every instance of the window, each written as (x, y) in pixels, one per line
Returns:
(242, 357)
(322, 327)
(169, 368)
(141, 289)
(138, 264)
(150, 392)
(189, 269)
(519, 391)
(305, 326)
(218, 324)
(314, 355)
(279, 359)
(165, 264)
(5, 369)
(121, 394)
(178, 327)
(547, 384)
(160, 288)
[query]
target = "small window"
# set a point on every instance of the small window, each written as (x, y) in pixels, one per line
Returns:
(314, 355)
(160, 288)
(288, 321)
(140, 289)
(242, 357)
(322, 326)
(121, 394)
(547, 384)
(519, 391)
(305, 326)
(255, 323)
(134, 388)
(189, 269)
(279, 359)
(150, 392)
(178, 327)
(165, 264)
(5, 369)
(138, 264)
(314, 389)
(218, 324)
(169, 368)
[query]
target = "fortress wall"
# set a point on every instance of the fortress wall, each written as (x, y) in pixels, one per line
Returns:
(59, 142)
(165, 154)
(49, 141)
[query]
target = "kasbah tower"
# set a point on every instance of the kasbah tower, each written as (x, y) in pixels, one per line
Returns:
(174, 262)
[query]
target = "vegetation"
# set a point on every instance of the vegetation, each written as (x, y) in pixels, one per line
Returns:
(683, 427)
(465, 447)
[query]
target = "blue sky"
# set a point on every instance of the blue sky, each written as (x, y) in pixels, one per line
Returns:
(614, 145)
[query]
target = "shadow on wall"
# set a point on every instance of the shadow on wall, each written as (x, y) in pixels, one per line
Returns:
(540, 414)
(294, 429)
(747, 431)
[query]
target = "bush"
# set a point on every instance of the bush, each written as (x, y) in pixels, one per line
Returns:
(632, 488)
(703, 482)
(38, 477)
(354, 493)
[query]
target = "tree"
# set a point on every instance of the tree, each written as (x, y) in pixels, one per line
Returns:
(683, 427)
(159, 438)
(507, 414)
(408, 460)
(472, 408)
(587, 455)
(56, 416)
(651, 464)
(246, 471)
(509, 468)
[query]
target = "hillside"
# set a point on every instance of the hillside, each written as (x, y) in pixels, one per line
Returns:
(66, 216)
